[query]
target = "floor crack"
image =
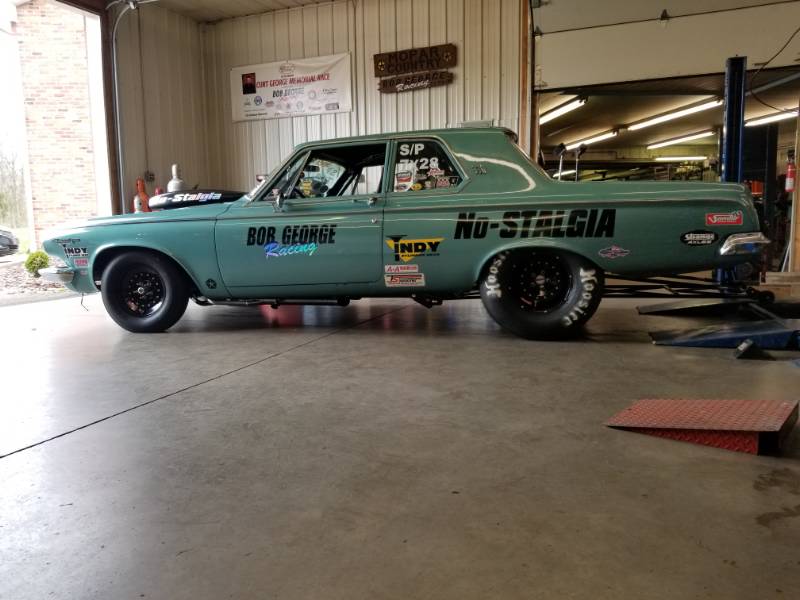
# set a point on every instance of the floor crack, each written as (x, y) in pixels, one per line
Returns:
(199, 383)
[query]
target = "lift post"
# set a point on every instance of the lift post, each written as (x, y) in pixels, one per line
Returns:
(733, 127)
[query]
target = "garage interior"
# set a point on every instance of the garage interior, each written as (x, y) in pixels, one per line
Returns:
(385, 449)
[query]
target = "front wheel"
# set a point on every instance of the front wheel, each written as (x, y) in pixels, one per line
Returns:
(144, 292)
(540, 293)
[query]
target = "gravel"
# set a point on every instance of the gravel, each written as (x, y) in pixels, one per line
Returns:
(17, 285)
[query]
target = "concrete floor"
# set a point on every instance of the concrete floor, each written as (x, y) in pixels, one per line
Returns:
(377, 451)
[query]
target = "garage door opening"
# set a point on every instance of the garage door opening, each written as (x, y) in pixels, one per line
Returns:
(64, 147)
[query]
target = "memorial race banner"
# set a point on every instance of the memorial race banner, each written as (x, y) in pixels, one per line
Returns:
(293, 88)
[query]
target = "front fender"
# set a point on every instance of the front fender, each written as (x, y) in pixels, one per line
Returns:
(202, 270)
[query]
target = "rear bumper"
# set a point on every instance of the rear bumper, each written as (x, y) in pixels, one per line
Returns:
(743, 243)
(61, 275)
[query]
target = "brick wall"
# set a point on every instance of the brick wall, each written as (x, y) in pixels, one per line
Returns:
(52, 47)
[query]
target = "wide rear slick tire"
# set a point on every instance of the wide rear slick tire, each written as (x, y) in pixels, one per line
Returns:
(144, 292)
(541, 293)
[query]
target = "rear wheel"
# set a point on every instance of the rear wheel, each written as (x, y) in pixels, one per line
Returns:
(541, 293)
(144, 292)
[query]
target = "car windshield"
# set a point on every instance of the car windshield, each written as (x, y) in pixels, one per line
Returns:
(263, 183)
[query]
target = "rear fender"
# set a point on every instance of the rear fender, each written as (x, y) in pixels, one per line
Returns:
(540, 243)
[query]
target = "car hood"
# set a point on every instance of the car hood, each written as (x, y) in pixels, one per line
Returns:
(190, 213)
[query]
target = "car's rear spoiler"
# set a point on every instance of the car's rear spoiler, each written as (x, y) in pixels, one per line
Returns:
(191, 198)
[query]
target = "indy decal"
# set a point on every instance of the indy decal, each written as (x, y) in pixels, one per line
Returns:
(74, 252)
(407, 250)
(580, 223)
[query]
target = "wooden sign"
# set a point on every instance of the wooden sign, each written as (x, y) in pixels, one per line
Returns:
(415, 81)
(431, 58)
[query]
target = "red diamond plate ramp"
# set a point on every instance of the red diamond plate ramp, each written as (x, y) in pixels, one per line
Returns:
(754, 426)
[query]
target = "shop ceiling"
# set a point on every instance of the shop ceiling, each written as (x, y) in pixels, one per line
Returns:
(613, 106)
(214, 10)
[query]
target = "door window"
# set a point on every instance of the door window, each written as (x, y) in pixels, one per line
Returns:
(423, 165)
(319, 176)
(335, 171)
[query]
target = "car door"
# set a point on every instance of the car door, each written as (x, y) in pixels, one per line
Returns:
(322, 234)
(424, 197)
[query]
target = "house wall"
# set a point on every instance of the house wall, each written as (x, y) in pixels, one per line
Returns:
(55, 83)
(486, 84)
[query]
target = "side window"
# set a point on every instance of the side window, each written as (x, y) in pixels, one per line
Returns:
(319, 176)
(369, 182)
(423, 165)
(334, 171)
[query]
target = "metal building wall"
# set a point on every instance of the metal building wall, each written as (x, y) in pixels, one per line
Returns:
(486, 79)
(162, 94)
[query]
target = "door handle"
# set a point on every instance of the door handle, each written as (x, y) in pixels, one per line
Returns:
(370, 201)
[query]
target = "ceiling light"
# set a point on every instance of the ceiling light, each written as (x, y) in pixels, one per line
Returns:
(561, 110)
(680, 140)
(789, 114)
(675, 115)
(680, 158)
(563, 173)
(592, 140)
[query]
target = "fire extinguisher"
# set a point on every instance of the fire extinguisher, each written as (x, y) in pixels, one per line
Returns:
(140, 200)
(791, 175)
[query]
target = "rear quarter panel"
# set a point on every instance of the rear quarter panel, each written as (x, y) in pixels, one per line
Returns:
(631, 229)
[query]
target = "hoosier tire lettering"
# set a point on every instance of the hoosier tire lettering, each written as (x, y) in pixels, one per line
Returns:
(588, 282)
(541, 293)
(491, 283)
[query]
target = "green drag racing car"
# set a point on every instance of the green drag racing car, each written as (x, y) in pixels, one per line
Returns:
(430, 215)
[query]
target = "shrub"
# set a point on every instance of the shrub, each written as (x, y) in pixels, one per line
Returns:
(35, 261)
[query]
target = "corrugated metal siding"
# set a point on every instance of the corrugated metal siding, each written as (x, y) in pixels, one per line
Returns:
(162, 95)
(486, 79)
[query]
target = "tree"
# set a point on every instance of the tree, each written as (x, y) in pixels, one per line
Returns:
(12, 192)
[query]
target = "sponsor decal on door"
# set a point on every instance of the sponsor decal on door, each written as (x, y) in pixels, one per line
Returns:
(404, 280)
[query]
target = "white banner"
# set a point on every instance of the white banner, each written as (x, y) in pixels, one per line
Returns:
(292, 88)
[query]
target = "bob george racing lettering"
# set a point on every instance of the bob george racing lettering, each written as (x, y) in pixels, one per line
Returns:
(292, 234)
(580, 222)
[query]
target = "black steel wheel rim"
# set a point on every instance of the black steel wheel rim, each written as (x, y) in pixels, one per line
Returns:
(541, 282)
(143, 292)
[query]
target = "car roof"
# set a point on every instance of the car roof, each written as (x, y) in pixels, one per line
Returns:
(444, 133)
